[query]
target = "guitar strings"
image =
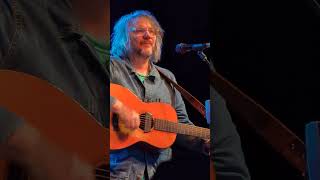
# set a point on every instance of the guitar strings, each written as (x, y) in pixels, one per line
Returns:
(165, 125)
(142, 120)
(103, 177)
(102, 170)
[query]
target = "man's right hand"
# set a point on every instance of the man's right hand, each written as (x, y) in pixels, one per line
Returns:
(127, 116)
(43, 160)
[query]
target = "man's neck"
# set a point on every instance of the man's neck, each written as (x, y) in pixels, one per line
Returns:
(140, 64)
(93, 17)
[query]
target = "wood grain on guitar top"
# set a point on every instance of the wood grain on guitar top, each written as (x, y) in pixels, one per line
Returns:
(58, 118)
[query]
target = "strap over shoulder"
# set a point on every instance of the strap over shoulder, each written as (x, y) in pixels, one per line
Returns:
(191, 99)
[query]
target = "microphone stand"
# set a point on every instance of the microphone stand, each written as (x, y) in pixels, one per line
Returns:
(204, 58)
(282, 139)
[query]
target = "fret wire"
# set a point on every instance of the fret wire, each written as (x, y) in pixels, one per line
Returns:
(101, 176)
(104, 170)
(169, 126)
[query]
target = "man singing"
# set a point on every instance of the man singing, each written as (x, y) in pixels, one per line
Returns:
(135, 48)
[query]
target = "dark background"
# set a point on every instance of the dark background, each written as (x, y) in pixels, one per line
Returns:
(267, 48)
(270, 49)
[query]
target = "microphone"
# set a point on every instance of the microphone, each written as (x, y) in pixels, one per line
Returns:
(183, 48)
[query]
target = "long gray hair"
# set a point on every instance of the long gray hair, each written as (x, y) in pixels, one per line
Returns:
(120, 41)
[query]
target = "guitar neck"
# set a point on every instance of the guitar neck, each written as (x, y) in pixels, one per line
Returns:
(179, 128)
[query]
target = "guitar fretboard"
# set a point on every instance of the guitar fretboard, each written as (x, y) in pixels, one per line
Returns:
(179, 128)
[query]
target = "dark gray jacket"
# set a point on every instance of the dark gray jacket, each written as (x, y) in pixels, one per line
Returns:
(40, 37)
(226, 144)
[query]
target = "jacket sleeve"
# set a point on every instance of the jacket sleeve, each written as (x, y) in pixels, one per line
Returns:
(226, 148)
(9, 122)
(6, 28)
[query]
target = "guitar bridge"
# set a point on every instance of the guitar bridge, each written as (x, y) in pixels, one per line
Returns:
(146, 122)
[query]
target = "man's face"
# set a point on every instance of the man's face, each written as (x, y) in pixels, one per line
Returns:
(142, 37)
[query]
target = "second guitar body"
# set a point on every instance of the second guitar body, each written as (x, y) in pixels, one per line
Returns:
(60, 120)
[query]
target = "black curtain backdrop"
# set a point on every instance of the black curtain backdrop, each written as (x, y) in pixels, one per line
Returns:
(270, 49)
(267, 48)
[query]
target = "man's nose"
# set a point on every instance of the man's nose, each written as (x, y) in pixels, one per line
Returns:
(147, 34)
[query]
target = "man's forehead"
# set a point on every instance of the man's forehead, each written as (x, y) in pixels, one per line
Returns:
(142, 20)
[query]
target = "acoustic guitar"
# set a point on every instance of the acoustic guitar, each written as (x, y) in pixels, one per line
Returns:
(58, 118)
(158, 123)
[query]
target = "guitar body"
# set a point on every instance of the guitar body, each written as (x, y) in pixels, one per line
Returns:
(58, 118)
(155, 138)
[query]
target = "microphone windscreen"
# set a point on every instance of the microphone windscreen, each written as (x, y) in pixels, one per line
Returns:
(180, 48)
